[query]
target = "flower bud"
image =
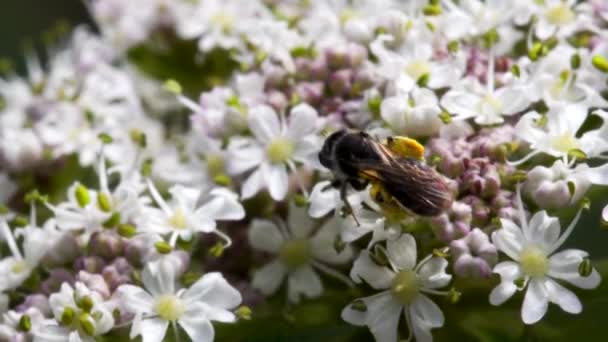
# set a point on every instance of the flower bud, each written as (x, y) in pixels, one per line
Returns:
(65, 251)
(56, 277)
(340, 82)
(106, 244)
(117, 273)
(38, 301)
(474, 255)
(91, 264)
(310, 92)
(94, 282)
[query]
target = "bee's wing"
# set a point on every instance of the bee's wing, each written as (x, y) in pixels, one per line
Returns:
(411, 183)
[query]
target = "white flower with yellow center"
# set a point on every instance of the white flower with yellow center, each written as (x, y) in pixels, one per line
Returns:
(190, 211)
(414, 115)
(536, 265)
(80, 315)
(277, 146)
(300, 251)
(555, 133)
(209, 299)
(486, 104)
(80, 212)
(405, 286)
(15, 269)
(556, 17)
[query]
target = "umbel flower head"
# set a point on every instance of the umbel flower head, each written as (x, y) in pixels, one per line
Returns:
(536, 265)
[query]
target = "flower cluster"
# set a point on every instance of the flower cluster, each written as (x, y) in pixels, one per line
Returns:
(129, 205)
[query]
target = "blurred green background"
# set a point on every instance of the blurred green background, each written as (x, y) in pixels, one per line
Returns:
(23, 23)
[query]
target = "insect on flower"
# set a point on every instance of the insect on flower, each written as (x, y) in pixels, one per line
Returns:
(394, 168)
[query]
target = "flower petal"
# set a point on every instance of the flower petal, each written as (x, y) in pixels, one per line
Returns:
(265, 236)
(197, 329)
(277, 179)
(364, 268)
(299, 223)
(382, 316)
(535, 302)
(304, 281)
(402, 252)
(268, 278)
(264, 123)
(323, 241)
(563, 297)
(302, 121)
(433, 274)
(509, 239)
(153, 329)
(213, 290)
(135, 299)
(425, 310)
(564, 265)
(253, 184)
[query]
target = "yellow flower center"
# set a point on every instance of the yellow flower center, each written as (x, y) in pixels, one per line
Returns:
(169, 307)
(492, 102)
(178, 220)
(215, 164)
(560, 14)
(417, 68)
(280, 150)
(534, 262)
(19, 266)
(295, 253)
(223, 21)
(405, 286)
(565, 142)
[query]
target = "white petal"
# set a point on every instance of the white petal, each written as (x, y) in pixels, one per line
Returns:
(268, 278)
(197, 329)
(135, 299)
(402, 252)
(512, 99)
(323, 199)
(564, 265)
(364, 268)
(277, 180)
(563, 297)
(302, 121)
(159, 280)
(265, 235)
(223, 205)
(382, 316)
(303, 281)
(299, 223)
(427, 311)
(509, 239)
(543, 230)
(323, 241)
(213, 290)
(153, 329)
(535, 302)
(243, 155)
(264, 123)
(253, 184)
(502, 292)
(433, 274)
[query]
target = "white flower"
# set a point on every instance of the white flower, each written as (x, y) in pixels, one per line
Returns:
(190, 211)
(324, 198)
(81, 211)
(404, 285)
(469, 99)
(209, 299)
(556, 17)
(532, 247)
(80, 314)
(414, 115)
(14, 270)
(555, 134)
(559, 185)
(277, 146)
(7, 188)
(11, 329)
(299, 252)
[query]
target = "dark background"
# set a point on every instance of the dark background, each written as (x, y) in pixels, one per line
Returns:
(23, 23)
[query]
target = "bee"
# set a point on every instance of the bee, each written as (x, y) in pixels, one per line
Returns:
(395, 169)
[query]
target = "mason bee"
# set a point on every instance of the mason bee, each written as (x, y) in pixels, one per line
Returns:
(394, 168)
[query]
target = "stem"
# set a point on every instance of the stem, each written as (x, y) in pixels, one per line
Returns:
(333, 273)
(566, 233)
(10, 241)
(158, 198)
(490, 73)
(175, 331)
(294, 170)
(188, 103)
(224, 237)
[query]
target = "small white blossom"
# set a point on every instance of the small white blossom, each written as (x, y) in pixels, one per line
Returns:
(209, 299)
(404, 285)
(300, 251)
(532, 246)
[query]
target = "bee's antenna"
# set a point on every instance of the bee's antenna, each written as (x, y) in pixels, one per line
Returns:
(347, 203)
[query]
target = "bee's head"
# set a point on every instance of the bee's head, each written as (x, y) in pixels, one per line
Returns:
(326, 156)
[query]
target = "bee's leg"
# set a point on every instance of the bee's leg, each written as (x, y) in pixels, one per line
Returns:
(347, 205)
